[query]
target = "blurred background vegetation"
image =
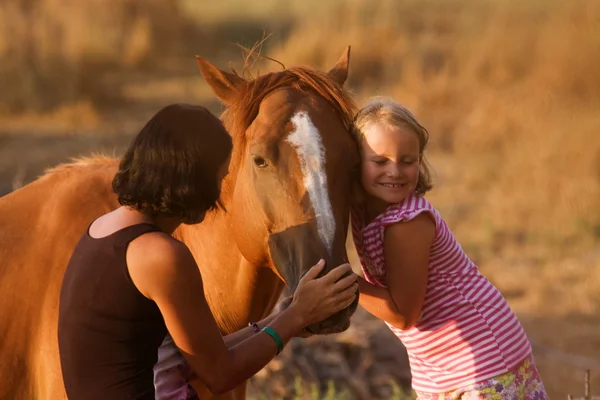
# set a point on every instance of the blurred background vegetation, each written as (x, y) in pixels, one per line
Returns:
(509, 90)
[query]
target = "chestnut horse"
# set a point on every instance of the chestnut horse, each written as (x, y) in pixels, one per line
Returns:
(286, 200)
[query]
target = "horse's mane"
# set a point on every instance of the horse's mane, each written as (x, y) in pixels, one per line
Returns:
(95, 160)
(238, 117)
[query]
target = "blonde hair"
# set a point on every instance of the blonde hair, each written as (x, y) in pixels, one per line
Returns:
(383, 110)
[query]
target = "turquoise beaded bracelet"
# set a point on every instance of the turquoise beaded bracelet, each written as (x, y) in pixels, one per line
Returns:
(275, 337)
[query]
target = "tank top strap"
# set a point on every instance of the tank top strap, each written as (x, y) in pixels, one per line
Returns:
(122, 237)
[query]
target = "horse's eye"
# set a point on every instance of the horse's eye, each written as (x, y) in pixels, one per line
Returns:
(260, 162)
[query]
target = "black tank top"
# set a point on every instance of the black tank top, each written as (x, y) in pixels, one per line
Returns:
(108, 332)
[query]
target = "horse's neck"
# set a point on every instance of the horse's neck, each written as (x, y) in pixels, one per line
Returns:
(237, 291)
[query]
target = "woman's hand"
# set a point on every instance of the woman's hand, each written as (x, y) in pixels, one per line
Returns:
(304, 334)
(283, 304)
(318, 298)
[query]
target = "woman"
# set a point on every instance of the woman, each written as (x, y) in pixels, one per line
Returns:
(129, 281)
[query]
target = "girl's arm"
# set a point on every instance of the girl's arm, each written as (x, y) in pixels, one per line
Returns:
(406, 251)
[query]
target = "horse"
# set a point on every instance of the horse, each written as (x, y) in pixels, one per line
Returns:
(285, 206)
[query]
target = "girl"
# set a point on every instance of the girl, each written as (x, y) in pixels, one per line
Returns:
(129, 281)
(462, 338)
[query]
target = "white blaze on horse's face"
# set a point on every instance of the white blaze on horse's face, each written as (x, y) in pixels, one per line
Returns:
(306, 139)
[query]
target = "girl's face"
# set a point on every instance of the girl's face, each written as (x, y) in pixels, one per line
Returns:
(390, 161)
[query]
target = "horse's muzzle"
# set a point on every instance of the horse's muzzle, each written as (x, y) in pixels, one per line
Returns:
(336, 323)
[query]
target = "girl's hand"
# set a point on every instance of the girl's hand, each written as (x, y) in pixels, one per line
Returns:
(316, 299)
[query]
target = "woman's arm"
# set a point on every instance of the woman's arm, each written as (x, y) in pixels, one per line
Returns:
(243, 334)
(406, 251)
(165, 271)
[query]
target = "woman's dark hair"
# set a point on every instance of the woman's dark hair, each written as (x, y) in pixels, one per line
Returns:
(171, 167)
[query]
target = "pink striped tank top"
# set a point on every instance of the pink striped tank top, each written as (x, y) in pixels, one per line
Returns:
(467, 333)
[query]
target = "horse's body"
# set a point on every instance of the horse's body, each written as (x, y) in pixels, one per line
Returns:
(39, 227)
(291, 139)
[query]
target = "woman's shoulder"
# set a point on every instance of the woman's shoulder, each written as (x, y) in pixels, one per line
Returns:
(158, 248)
(156, 257)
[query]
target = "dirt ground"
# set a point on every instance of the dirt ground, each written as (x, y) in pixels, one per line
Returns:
(365, 362)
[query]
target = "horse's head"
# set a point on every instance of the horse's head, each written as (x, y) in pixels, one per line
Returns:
(289, 188)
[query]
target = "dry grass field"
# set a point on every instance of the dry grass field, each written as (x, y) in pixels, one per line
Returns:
(509, 90)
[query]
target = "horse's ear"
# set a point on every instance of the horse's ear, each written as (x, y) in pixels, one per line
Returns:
(225, 85)
(339, 72)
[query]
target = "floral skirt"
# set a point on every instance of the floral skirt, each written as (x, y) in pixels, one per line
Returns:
(523, 383)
